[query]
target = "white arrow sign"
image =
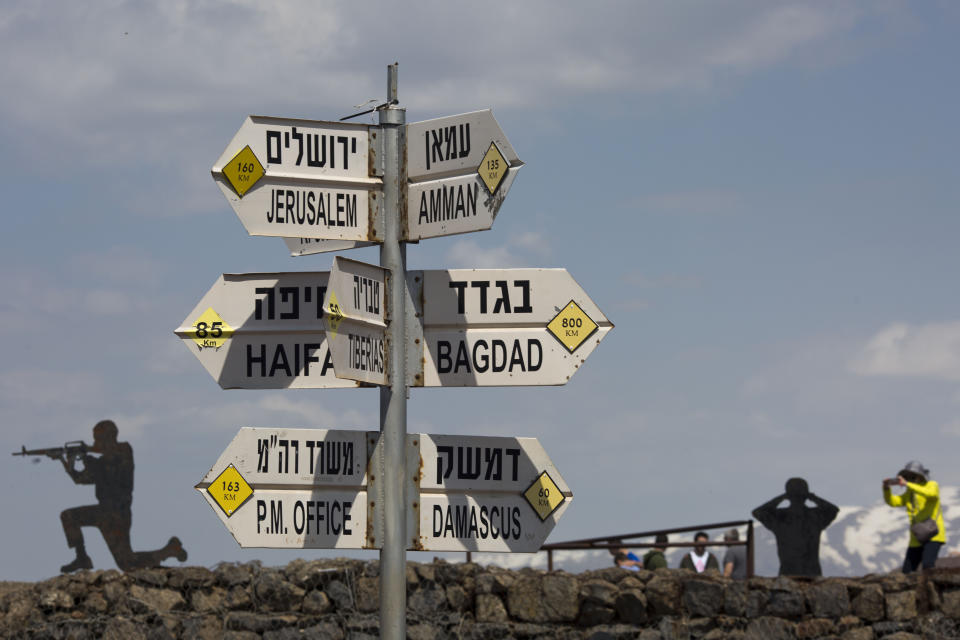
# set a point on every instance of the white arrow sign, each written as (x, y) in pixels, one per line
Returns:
(293, 488)
(355, 306)
(506, 327)
(302, 178)
(460, 169)
(263, 331)
(487, 494)
(477, 327)
(310, 246)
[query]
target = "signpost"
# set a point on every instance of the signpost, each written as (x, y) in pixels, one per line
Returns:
(310, 246)
(487, 494)
(460, 169)
(310, 488)
(356, 316)
(328, 186)
(263, 331)
(506, 327)
(292, 488)
(470, 328)
(302, 178)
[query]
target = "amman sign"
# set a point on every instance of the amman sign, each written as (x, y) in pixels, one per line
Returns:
(460, 169)
(302, 178)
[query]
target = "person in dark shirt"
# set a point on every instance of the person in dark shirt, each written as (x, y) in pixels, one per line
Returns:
(654, 559)
(797, 527)
(111, 473)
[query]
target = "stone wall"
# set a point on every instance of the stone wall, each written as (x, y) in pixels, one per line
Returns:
(339, 599)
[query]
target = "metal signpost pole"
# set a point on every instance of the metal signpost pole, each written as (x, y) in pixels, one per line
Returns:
(393, 398)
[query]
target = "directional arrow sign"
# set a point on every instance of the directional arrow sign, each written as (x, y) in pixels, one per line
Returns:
(302, 178)
(263, 331)
(310, 246)
(460, 169)
(293, 488)
(487, 494)
(505, 327)
(356, 314)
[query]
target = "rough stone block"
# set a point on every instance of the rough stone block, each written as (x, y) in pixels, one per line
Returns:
(490, 608)
(208, 601)
(159, 600)
(901, 606)
(631, 606)
(122, 629)
(735, 599)
(786, 604)
(703, 598)
(599, 592)
(316, 603)
(869, 603)
(770, 628)
(815, 628)
(551, 598)
(860, 633)
(663, 594)
(828, 599)
(340, 595)
(457, 597)
(593, 614)
(951, 603)
(367, 594)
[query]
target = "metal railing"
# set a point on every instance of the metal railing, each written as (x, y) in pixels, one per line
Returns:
(624, 541)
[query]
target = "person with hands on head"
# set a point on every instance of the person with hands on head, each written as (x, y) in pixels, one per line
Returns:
(922, 502)
(797, 527)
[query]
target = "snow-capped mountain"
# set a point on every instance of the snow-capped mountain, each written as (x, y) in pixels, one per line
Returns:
(861, 540)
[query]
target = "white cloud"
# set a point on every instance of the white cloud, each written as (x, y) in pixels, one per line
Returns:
(928, 351)
(520, 250)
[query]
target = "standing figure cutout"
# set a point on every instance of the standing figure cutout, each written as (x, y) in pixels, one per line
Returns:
(797, 527)
(111, 473)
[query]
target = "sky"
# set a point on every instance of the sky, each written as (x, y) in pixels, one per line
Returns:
(761, 196)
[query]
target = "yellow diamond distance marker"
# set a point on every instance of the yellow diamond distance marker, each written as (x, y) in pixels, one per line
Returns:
(544, 496)
(243, 171)
(230, 490)
(572, 326)
(210, 330)
(334, 313)
(493, 168)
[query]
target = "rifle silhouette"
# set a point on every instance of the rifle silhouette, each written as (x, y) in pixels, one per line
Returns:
(72, 449)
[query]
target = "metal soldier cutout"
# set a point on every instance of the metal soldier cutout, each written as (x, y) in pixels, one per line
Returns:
(111, 473)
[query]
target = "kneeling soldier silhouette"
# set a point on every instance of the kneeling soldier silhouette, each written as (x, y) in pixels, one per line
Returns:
(111, 473)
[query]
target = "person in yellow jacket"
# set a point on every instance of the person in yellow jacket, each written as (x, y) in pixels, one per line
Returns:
(922, 502)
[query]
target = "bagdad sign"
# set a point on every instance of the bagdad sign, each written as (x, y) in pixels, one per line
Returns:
(481, 493)
(506, 327)
(460, 169)
(263, 331)
(355, 308)
(477, 327)
(292, 488)
(302, 178)
(310, 488)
